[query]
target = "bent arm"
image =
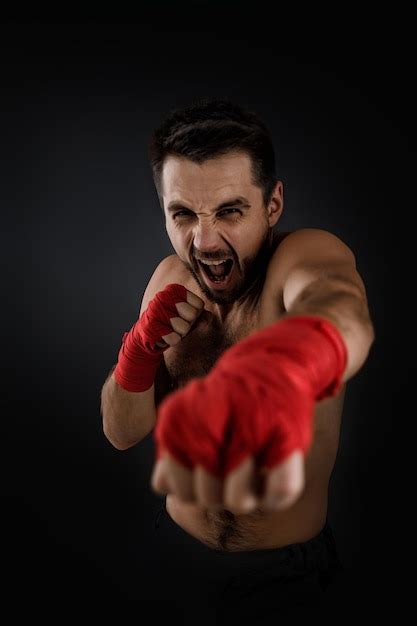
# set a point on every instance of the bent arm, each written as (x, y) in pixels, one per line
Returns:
(127, 416)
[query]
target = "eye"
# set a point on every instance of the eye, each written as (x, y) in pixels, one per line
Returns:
(225, 210)
(181, 214)
(186, 213)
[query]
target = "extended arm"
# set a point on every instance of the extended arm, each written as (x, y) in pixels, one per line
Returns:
(319, 277)
(261, 394)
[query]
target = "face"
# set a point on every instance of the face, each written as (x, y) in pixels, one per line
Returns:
(214, 212)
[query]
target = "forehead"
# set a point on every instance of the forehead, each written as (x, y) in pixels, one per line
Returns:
(183, 179)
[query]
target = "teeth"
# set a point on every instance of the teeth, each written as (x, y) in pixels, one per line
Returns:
(214, 262)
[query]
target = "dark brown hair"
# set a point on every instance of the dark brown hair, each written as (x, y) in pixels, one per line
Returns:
(210, 128)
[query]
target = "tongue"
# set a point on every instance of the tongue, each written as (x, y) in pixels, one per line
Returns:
(218, 270)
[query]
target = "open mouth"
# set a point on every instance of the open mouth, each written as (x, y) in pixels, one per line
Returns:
(220, 274)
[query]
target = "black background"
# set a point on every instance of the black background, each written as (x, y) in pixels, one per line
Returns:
(83, 232)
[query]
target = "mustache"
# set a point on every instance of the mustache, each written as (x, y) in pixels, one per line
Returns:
(214, 257)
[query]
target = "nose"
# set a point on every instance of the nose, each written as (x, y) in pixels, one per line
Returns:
(206, 238)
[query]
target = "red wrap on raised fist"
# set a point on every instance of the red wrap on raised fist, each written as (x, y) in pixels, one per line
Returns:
(258, 399)
(138, 357)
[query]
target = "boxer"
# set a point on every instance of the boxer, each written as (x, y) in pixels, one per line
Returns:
(246, 338)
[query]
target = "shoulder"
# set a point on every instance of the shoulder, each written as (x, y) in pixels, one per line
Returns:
(310, 246)
(167, 271)
(309, 250)
(312, 239)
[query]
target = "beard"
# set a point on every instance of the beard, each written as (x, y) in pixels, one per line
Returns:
(249, 279)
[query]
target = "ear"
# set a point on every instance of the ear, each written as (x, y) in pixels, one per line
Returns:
(276, 204)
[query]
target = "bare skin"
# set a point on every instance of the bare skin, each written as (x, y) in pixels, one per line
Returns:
(211, 521)
(214, 211)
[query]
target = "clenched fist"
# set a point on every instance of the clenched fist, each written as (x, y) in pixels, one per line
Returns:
(168, 317)
(188, 310)
(249, 418)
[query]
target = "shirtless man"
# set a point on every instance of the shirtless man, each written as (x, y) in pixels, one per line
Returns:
(214, 171)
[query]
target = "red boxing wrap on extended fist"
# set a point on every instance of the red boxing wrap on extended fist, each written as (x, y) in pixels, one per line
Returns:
(258, 399)
(138, 357)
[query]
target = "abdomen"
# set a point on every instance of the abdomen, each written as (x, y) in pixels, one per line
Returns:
(265, 529)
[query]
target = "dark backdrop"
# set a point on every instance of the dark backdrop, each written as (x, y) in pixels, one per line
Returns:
(83, 232)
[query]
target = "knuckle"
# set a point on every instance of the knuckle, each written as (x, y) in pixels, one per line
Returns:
(208, 490)
(179, 325)
(176, 338)
(172, 339)
(193, 299)
(295, 483)
(284, 495)
(232, 500)
(190, 297)
(288, 489)
(158, 483)
(186, 311)
(185, 493)
(207, 499)
(239, 507)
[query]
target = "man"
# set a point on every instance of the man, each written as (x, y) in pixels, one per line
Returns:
(240, 356)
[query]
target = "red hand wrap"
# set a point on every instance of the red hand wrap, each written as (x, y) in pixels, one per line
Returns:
(257, 400)
(138, 357)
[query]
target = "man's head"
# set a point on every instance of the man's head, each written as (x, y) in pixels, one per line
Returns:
(214, 170)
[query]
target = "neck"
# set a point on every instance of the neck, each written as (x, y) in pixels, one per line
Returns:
(254, 282)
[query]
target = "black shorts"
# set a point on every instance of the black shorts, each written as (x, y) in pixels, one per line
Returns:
(200, 585)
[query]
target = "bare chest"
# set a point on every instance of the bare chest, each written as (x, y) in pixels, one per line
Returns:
(195, 356)
(198, 352)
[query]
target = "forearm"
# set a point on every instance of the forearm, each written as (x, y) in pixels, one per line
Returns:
(346, 306)
(127, 416)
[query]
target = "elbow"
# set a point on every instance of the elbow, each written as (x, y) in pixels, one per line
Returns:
(371, 338)
(367, 343)
(369, 333)
(116, 439)
(120, 445)
(362, 338)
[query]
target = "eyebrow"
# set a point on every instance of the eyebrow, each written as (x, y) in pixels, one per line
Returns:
(240, 202)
